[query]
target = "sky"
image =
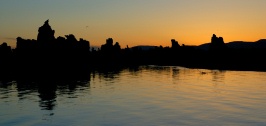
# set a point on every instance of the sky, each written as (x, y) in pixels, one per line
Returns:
(135, 22)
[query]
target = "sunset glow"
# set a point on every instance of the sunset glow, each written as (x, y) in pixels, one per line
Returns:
(136, 22)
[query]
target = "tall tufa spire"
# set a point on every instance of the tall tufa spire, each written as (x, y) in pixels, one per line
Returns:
(46, 33)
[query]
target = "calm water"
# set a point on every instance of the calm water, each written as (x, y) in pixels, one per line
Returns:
(148, 96)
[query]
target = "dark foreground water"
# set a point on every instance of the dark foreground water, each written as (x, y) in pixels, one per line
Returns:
(147, 96)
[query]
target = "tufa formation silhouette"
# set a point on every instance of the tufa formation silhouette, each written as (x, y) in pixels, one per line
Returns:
(64, 57)
(217, 44)
(46, 34)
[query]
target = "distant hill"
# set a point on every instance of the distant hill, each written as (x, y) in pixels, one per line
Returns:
(238, 45)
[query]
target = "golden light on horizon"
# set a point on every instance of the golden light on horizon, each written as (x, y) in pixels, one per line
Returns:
(156, 22)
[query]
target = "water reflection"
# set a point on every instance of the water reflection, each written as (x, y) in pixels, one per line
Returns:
(108, 75)
(47, 95)
(47, 90)
(218, 75)
(145, 95)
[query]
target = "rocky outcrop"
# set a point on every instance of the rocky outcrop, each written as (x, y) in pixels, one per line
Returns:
(46, 33)
(175, 44)
(217, 43)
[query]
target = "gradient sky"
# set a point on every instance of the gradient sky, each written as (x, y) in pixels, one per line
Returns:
(135, 22)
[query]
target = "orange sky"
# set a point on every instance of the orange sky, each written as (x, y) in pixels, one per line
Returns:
(136, 22)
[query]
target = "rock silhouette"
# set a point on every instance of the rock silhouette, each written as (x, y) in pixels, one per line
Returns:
(175, 44)
(46, 34)
(62, 57)
(6, 61)
(217, 44)
(57, 56)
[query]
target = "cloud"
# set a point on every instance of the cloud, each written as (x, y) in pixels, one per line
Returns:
(10, 38)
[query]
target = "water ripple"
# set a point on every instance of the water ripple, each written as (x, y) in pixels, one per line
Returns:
(146, 95)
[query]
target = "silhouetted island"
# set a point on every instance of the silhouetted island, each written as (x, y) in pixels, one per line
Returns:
(67, 57)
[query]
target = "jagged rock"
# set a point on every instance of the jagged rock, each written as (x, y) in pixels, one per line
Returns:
(217, 43)
(108, 46)
(117, 46)
(175, 44)
(46, 33)
(5, 49)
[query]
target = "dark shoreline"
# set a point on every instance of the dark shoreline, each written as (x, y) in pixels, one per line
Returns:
(66, 57)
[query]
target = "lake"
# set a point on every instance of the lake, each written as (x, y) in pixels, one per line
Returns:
(145, 95)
